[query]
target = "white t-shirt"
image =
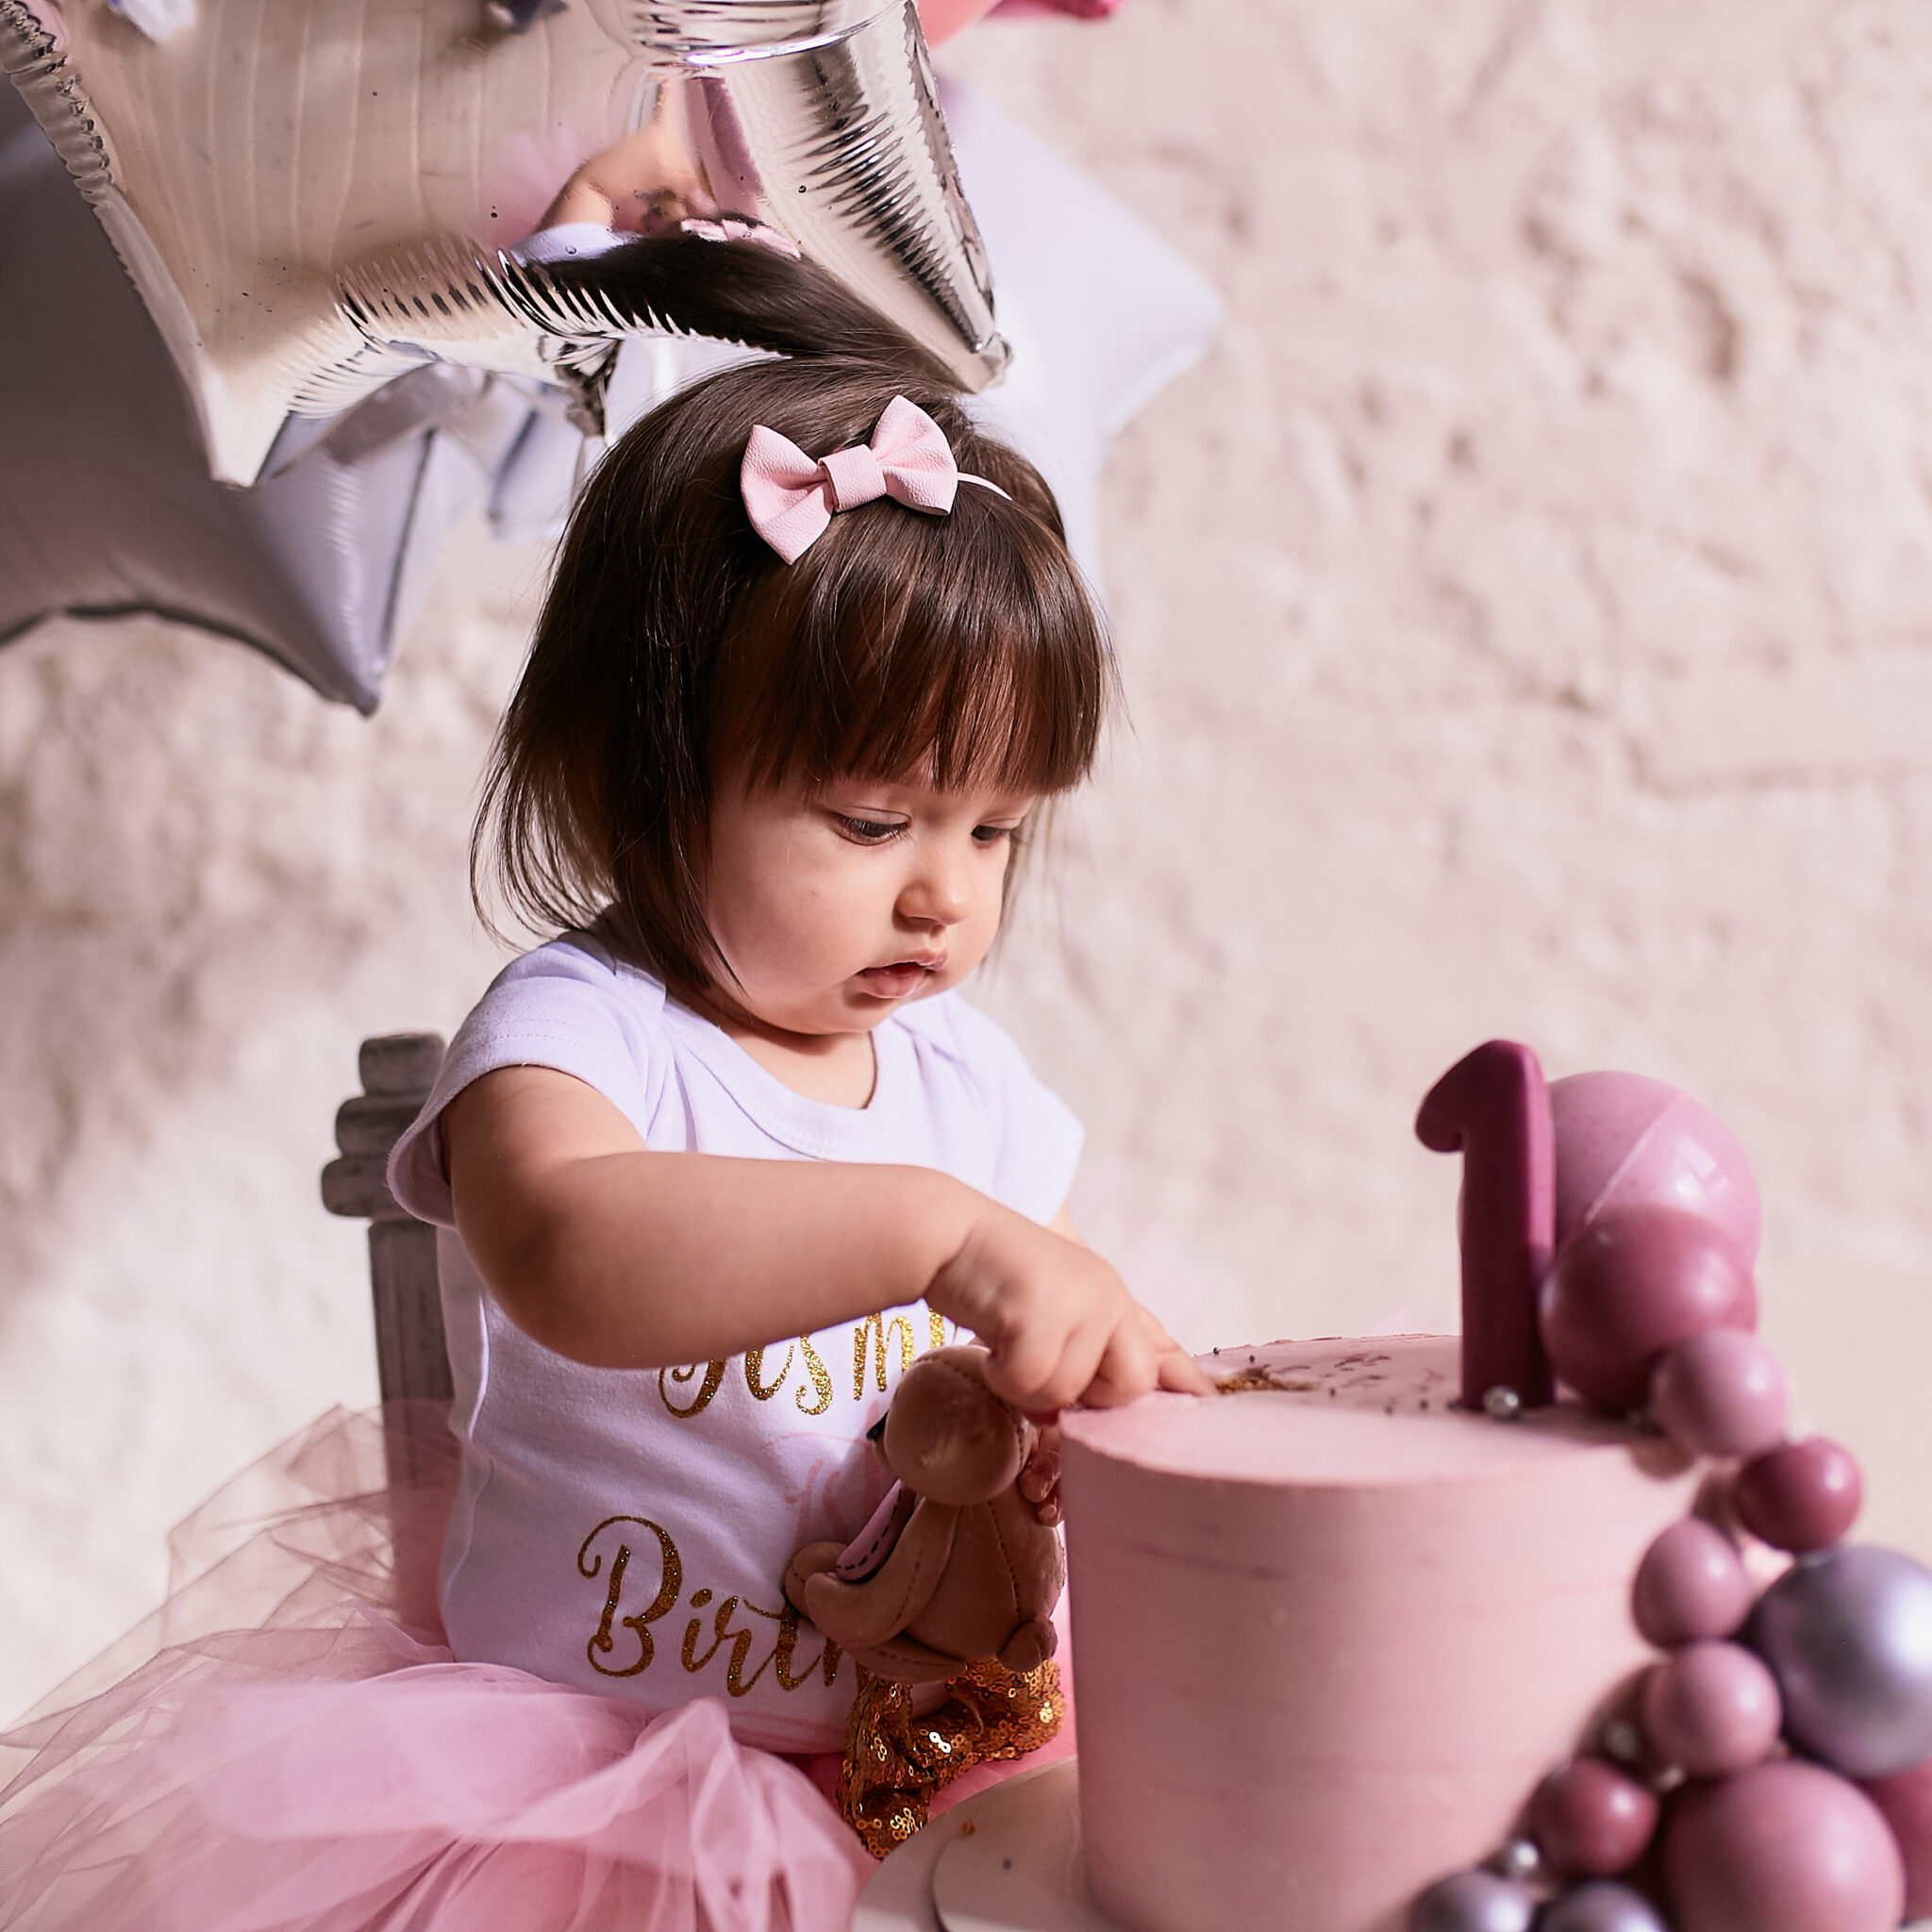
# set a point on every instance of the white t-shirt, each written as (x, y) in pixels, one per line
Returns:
(627, 1531)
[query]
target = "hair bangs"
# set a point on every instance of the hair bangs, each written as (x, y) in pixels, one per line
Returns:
(961, 649)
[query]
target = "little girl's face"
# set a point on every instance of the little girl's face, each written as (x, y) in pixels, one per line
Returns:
(834, 907)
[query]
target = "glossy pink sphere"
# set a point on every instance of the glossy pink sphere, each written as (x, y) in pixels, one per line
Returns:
(1711, 1709)
(1786, 1847)
(1906, 1798)
(1804, 1496)
(1625, 1141)
(1633, 1283)
(1591, 1820)
(1691, 1584)
(1721, 1394)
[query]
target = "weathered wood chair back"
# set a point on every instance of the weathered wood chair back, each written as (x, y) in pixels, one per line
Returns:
(411, 1355)
(397, 1072)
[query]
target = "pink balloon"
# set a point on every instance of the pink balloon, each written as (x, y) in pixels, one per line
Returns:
(1690, 1584)
(1591, 1820)
(1906, 1799)
(1786, 1847)
(1712, 1709)
(1721, 1394)
(1804, 1496)
(1623, 1141)
(1632, 1284)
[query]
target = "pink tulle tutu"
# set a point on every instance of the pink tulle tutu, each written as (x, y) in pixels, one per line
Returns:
(288, 1743)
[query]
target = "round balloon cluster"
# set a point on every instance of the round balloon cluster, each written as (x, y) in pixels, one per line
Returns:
(1773, 1772)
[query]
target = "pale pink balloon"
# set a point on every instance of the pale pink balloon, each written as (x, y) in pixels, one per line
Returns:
(1711, 1709)
(1690, 1584)
(1784, 1847)
(1721, 1394)
(1624, 1139)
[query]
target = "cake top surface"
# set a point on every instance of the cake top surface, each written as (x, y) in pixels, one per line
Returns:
(1348, 1412)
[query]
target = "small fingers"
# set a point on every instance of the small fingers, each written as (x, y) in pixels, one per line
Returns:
(1128, 1367)
(1040, 1480)
(1027, 1371)
(1181, 1373)
(1039, 1386)
(1042, 1467)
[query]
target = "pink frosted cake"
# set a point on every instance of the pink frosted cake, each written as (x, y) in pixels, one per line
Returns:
(1386, 1637)
(1329, 1632)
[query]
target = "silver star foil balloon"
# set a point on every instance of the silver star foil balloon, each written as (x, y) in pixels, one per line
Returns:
(106, 508)
(314, 195)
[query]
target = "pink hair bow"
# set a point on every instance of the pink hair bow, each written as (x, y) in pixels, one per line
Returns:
(790, 497)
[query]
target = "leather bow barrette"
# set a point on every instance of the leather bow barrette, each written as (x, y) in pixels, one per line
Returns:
(791, 497)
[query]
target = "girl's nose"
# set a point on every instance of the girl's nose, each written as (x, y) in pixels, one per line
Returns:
(938, 893)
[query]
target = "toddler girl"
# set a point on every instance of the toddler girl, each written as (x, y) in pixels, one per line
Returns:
(733, 1130)
(714, 1165)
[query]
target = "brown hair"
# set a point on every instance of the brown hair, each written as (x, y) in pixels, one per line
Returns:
(674, 644)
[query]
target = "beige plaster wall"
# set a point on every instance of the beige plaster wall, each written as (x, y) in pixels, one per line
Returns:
(1526, 614)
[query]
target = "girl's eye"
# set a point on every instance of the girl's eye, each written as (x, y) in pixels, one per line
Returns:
(867, 831)
(991, 835)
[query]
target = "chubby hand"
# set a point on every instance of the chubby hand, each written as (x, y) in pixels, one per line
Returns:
(1058, 1322)
(1039, 1479)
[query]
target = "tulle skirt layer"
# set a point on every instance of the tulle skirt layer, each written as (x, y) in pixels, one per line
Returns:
(288, 1746)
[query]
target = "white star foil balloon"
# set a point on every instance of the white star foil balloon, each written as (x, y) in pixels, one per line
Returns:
(310, 195)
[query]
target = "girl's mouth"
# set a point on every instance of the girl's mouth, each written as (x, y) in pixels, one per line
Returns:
(901, 977)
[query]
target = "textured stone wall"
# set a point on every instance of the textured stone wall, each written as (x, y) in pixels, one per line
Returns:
(1526, 620)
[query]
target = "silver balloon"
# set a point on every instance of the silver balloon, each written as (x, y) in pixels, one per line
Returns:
(311, 195)
(1473, 1902)
(107, 506)
(1601, 1905)
(1848, 1635)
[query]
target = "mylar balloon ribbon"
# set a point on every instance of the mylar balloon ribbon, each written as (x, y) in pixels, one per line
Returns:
(314, 195)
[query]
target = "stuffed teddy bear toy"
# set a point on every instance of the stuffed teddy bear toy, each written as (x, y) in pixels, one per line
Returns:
(956, 1567)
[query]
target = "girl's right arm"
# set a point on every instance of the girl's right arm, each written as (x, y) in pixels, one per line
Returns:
(619, 1257)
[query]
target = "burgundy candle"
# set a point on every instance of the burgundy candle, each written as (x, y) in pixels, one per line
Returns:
(1491, 1108)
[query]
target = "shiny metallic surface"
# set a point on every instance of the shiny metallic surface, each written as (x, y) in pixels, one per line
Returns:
(1519, 1858)
(1601, 1905)
(1473, 1902)
(1848, 1635)
(313, 195)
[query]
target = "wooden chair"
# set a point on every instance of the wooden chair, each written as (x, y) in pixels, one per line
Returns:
(397, 1072)
(411, 1352)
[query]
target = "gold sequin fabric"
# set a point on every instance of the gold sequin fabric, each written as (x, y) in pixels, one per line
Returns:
(895, 1760)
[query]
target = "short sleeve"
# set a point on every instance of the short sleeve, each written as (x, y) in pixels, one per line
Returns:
(565, 1006)
(1037, 1136)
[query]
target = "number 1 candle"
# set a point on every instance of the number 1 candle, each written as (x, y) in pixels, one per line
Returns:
(1491, 1108)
